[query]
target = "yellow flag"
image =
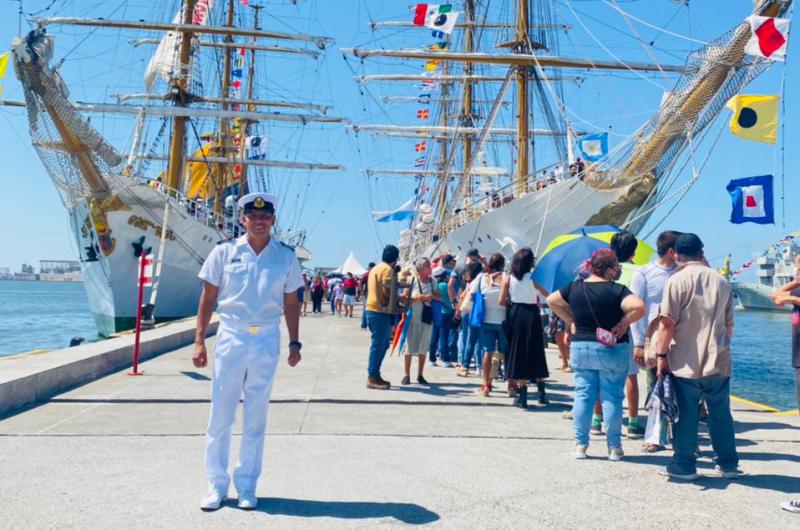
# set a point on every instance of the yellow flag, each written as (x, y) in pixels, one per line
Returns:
(3, 64)
(431, 65)
(755, 118)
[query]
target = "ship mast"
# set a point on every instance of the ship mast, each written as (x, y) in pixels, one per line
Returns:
(224, 130)
(441, 189)
(177, 144)
(251, 70)
(523, 138)
(467, 118)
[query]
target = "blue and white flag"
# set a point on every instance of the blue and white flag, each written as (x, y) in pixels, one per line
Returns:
(593, 147)
(403, 213)
(752, 200)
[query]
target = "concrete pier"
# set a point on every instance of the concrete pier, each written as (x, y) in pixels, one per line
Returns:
(126, 452)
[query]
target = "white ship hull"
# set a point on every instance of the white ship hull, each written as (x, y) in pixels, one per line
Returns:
(519, 223)
(110, 268)
(754, 296)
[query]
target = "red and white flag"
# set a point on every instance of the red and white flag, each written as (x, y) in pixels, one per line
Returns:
(770, 37)
(147, 273)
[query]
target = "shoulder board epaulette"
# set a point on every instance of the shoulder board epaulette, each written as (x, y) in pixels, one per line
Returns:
(230, 240)
(286, 246)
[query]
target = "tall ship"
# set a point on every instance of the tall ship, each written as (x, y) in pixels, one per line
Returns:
(495, 165)
(773, 271)
(160, 168)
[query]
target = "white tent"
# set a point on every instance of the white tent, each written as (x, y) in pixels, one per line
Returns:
(352, 265)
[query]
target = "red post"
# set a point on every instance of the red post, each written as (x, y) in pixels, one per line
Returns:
(142, 260)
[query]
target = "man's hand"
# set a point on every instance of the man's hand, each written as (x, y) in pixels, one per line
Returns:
(200, 357)
(662, 366)
(779, 298)
(638, 355)
(294, 356)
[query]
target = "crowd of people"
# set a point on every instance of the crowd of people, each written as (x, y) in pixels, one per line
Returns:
(671, 318)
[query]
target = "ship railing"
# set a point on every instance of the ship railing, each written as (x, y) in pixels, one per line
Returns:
(197, 208)
(535, 183)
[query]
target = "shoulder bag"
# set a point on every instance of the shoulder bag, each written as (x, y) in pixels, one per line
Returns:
(478, 306)
(603, 336)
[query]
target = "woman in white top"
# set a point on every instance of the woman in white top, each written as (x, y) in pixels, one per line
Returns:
(525, 358)
(488, 285)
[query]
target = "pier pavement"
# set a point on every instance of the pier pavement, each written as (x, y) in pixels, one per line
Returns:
(126, 452)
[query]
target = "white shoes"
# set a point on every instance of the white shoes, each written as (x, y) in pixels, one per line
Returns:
(580, 451)
(247, 500)
(733, 475)
(212, 501)
(615, 454)
(791, 506)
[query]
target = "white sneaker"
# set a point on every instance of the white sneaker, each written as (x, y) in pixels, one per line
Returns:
(791, 506)
(432, 363)
(212, 501)
(449, 365)
(247, 500)
(580, 451)
(665, 472)
(733, 475)
(615, 454)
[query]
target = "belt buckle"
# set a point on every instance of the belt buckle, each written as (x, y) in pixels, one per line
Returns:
(253, 330)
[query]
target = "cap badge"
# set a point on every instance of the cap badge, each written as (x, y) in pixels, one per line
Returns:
(259, 203)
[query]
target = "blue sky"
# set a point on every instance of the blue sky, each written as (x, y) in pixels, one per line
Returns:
(336, 211)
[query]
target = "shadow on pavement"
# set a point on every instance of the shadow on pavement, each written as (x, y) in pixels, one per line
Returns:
(744, 426)
(403, 512)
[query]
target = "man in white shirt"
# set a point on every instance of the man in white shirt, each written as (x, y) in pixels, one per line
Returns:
(647, 282)
(250, 280)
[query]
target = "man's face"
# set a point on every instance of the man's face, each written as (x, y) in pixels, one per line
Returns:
(258, 224)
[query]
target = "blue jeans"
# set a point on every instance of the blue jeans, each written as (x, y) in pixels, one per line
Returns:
(492, 337)
(715, 390)
(440, 340)
(471, 338)
(379, 325)
(597, 367)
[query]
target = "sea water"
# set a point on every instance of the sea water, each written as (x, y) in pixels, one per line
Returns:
(36, 315)
(43, 315)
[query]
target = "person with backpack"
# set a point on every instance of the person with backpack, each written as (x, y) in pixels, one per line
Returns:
(488, 315)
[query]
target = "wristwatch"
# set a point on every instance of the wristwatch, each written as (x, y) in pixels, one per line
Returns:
(296, 343)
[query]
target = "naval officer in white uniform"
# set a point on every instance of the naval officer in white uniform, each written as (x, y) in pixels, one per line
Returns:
(249, 280)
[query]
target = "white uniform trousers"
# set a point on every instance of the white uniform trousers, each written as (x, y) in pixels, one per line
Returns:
(244, 364)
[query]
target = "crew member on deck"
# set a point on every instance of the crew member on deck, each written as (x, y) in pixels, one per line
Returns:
(250, 280)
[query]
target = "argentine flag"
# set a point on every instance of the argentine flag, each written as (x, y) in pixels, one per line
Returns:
(593, 147)
(403, 213)
(752, 200)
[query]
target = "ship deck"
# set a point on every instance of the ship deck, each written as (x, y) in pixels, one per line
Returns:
(127, 451)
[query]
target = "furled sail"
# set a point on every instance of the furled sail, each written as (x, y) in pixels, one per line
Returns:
(164, 62)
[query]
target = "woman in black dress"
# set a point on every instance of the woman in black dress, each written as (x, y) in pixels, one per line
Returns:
(525, 358)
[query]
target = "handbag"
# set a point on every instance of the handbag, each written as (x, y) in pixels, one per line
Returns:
(603, 336)
(478, 312)
(427, 310)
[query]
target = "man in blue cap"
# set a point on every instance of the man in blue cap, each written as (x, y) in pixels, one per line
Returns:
(250, 280)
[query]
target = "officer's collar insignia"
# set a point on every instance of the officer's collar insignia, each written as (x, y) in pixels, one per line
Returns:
(259, 203)
(236, 260)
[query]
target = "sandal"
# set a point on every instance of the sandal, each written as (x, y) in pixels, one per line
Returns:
(652, 448)
(568, 370)
(484, 389)
(462, 372)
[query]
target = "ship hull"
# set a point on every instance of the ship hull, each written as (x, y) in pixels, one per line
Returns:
(756, 297)
(529, 221)
(106, 235)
